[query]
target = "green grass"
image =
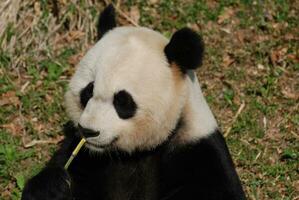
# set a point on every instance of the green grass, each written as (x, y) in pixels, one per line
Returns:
(38, 56)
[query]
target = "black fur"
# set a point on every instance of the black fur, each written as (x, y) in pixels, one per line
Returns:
(51, 183)
(106, 21)
(85, 94)
(202, 170)
(186, 49)
(124, 104)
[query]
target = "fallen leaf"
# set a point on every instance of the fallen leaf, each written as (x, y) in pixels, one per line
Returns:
(260, 66)
(289, 36)
(261, 38)
(37, 8)
(227, 60)
(227, 13)
(49, 98)
(74, 59)
(296, 184)
(240, 36)
(268, 15)
(287, 92)
(74, 35)
(194, 27)
(226, 30)
(9, 98)
(278, 55)
(15, 127)
(293, 57)
(49, 141)
(8, 190)
(67, 38)
(4, 102)
(152, 2)
(134, 14)
(276, 25)
(24, 86)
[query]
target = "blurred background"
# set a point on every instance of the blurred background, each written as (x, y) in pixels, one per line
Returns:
(250, 78)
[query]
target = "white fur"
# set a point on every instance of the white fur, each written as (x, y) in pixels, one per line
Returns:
(198, 118)
(133, 59)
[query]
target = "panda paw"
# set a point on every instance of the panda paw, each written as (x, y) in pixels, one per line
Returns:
(52, 183)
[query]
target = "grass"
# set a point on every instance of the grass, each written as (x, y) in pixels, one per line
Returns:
(252, 58)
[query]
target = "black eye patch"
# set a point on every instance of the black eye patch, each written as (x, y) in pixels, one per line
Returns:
(124, 104)
(85, 94)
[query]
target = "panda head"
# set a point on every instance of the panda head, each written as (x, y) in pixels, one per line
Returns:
(133, 87)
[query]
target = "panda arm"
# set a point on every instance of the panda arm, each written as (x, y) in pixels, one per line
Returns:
(205, 170)
(218, 168)
(53, 182)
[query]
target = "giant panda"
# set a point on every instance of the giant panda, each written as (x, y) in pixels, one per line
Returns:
(150, 134)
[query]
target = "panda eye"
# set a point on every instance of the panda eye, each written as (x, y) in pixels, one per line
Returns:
(85, 94)
(124, 104)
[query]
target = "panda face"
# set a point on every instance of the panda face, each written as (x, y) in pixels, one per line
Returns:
(126, 91)
(133, 87)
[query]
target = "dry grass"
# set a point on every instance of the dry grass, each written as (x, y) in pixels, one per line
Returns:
(252, 59)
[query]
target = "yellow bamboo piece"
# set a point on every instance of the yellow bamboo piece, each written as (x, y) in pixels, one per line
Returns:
(74, 153)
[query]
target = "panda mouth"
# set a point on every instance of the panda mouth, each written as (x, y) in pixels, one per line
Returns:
(102, 146)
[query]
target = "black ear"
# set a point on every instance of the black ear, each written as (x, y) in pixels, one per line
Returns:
(185, 49)
(106, 20)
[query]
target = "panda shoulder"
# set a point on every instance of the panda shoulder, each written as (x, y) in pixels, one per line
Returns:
(205, 151)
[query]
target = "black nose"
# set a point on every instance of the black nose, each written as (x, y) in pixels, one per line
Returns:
(87, 132)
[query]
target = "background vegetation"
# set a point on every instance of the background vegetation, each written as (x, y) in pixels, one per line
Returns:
(250, 78)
